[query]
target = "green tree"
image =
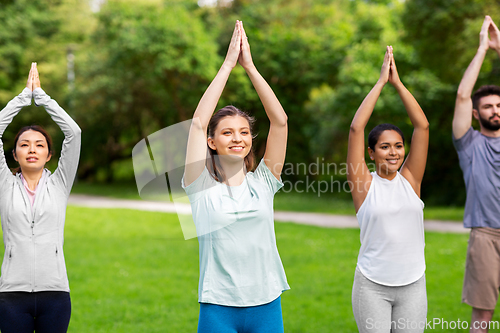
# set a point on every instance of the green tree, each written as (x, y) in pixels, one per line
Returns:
(38, 31)
(146, 68)
(296, 45)
(445, 36)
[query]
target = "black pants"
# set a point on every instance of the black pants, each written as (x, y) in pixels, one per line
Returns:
(40, 312)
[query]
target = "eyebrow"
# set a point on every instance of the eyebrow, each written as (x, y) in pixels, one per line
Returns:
(388, 143)
(230, 128)
(29, 140)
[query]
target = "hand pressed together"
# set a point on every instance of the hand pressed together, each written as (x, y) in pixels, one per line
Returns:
(33, 79)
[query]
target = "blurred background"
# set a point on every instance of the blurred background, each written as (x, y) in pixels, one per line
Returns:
(124, 69)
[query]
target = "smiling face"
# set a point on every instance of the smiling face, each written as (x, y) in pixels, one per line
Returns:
(488, 112)
(389, 153)
(232, 137)
(31, 151)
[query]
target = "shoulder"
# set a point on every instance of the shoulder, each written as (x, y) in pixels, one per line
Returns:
(200, 185)
(408, 188)
(471, 137)
(263, 175)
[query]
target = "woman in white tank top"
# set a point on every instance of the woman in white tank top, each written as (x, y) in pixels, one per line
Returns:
(389, 283)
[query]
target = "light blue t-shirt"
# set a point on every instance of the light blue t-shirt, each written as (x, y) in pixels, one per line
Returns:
(479, 157)
(239, 261)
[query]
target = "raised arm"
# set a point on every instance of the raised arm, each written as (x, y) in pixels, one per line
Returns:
(414, 166)
(274, 157)
(462, 118)
(70, 152)
(8, 113)
(197, 141)
(358, 175)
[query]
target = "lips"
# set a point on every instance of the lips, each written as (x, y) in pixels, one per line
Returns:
(393, 161)
(32, 159)
(236, 148)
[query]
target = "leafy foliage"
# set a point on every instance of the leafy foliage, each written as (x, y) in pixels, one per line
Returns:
(143, 65)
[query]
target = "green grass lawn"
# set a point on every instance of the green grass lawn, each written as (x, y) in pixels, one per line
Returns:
(298, 202)
(132, 271)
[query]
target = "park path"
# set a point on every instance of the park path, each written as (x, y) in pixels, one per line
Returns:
(317, 219)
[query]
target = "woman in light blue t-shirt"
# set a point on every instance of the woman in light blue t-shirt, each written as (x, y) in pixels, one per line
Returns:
(241, 274)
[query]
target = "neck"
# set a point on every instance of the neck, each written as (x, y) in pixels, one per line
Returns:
(234, 169)
(386, 174)
(490, 133)
(32, 178)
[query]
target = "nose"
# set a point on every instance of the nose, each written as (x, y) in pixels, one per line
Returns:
(392, 151)
(496, 110)
(236, 137)
(32, 148)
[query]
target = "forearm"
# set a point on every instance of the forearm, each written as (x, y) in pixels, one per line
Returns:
(70, 152)
(470, 76)
(210, 98)
(415, 112)
(6, 116)
(462, 116)
(272, 106)
(67, 125)
(13, 108)
(365, 110)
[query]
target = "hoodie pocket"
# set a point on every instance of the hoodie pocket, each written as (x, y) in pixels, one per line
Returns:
(47, 267)
(16, 269)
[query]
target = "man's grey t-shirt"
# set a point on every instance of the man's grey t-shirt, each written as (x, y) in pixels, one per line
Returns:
(479, 157)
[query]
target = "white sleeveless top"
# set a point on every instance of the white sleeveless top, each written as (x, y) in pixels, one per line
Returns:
(392, 232)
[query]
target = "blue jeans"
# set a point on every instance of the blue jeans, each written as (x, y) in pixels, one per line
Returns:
(43, 312)
(265, 318)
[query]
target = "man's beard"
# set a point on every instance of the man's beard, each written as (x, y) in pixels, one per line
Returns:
(488, 124)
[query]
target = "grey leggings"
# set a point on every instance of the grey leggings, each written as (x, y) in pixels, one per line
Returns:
(378, 308)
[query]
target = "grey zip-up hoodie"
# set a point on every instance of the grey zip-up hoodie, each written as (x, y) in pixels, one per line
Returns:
(34, 237)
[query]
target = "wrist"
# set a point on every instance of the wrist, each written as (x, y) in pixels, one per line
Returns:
(397, 84)
(249, 68)
(226, 67)
(482, 50)
(400, 88)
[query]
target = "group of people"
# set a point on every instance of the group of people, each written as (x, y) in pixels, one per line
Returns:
(231, 195)
(241, 275)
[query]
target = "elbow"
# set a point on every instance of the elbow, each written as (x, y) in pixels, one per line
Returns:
(422, 127)
(462, 95)
(284, 121)
(356, 129)
(77, 131)
(281, 121)
(425, 126)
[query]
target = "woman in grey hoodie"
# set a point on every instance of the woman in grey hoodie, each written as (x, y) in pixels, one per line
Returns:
(34, 289)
